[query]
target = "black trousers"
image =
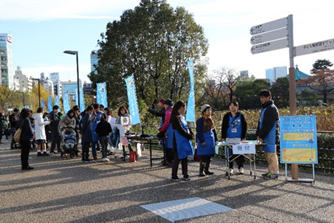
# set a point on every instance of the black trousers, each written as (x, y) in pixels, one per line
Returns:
(25, 150)
(85, 150)
(53, 146)
(240, 161)
(184, 163)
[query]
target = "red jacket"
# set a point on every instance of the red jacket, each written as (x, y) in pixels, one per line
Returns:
(168, 115)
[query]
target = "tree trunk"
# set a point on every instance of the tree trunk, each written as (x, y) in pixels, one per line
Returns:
(325, 97)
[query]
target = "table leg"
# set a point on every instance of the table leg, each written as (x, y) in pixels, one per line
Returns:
(150, 153)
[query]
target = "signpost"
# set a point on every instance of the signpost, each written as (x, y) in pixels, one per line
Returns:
(269, 46)
(277, 34)
(314, 47)
(269, 26)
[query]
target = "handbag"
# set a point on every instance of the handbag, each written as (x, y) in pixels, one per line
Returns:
(17, 135)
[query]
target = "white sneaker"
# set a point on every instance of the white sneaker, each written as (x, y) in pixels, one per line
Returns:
(231, 171)
(241, 170)
(105, 159)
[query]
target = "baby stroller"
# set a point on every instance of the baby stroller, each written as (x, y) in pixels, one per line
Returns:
(69, 142)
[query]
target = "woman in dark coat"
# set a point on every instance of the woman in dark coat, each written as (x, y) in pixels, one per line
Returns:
(55, 136)
(87, 138)
(26, 138)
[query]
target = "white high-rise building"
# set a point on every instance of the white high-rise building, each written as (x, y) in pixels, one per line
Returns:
(47, 84)
(7, 69)
(276, 72)
(25, 82)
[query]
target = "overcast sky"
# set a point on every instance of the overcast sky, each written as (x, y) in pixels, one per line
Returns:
(42, 30)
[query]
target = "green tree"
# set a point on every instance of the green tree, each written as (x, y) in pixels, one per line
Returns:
(247, 91)
(280, 92)
(321, 65)
(153, 42)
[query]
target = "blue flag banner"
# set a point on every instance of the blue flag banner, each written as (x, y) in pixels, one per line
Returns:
(101, 97)
(57, 100)
(66, 102)
(43, 104)
(50, 103)
(76, 96)
(299, 139)
(190, 116)
(82, 100)
(133, 105)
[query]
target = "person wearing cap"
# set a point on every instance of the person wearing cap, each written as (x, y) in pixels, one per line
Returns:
(160, 113)
(206, 140)
(167, 127)
(234, 126)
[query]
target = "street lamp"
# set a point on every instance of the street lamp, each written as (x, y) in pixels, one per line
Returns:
(75, 53)
(39, 90)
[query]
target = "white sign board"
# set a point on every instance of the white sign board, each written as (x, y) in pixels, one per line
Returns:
(54, 77)
(265, 27)
(269, 46)
(244, 148)
(265, 37)
(314, 47)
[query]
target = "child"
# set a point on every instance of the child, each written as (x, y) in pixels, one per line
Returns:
(103, 129)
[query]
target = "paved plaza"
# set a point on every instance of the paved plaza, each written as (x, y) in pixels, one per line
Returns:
(67, 190)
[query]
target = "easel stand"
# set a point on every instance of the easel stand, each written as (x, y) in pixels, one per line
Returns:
(301, 180)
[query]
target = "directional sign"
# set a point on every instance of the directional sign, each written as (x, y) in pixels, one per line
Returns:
(314, 47)
(265, 37)
(269, 46)
(265, 27)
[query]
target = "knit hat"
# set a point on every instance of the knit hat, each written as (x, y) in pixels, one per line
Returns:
(162, 101)
(205, 107)
(168, 102)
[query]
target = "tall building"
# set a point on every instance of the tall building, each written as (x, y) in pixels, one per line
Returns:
(94, 60)
(70, 87)
(244, 73)
(88, 89)
(57, 87)
(47, 84)
(7, 70)
(25, 82)
(276, 72)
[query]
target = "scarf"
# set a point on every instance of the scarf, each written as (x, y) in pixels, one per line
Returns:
(208, 123)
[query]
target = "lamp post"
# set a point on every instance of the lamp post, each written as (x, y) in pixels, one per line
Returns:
(39, 90)
(75, 53)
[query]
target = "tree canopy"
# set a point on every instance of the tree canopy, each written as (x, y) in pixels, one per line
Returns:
(153, 42)
(321, 65)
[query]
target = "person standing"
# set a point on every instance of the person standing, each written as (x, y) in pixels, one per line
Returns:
(267, 132)
(26, 138)
(55, 136)
(206, 140)
(168, 129)
(181, 141)
(103, 129)
(96, 117)
(234, 126)
(13, 119)
(86, 129)
(2, 129)
(40, 135)
(160, 113)
(124, 118)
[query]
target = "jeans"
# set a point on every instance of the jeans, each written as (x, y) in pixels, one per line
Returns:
(94, 148)
(104, 144)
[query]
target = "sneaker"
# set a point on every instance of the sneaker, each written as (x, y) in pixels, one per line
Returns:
(231, 172)
(209, 173)
(88, 160)
(45, 154)
(271, 177)
(39, 154)
(186, 178)
(105, 159)
(95, 158)
(175, 179)
(265, 174)
(241, 170)
(52, 153)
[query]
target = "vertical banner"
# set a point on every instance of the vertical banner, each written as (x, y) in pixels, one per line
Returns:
(101, 97)
(66, 102)
(76, 96)
(57, 100)
(50, 103)
(299, 139)
(82, 100)
(190, 116)
(43, 104)
(133, 105)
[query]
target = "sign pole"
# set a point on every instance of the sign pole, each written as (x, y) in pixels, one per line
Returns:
(292, 85)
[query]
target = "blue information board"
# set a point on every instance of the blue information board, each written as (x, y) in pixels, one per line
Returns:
(299, 139)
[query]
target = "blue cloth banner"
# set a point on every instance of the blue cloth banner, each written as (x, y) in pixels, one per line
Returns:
(190, 116)
(57, 100)
(101, 97)
(81, 98)
(133, 105)
(50, 103)
(43, 104)
(66, 102)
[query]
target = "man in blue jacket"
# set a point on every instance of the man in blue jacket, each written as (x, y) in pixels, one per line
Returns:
(267, 132)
